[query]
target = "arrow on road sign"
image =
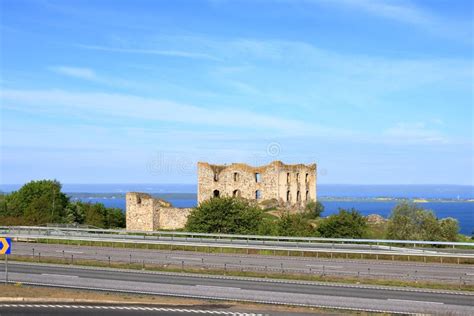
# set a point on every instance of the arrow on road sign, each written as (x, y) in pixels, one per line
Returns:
(5, 246)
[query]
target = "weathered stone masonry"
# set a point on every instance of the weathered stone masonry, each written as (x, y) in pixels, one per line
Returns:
(290, 186)
(143, 212)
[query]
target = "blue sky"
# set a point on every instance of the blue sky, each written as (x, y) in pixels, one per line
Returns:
(375, 92)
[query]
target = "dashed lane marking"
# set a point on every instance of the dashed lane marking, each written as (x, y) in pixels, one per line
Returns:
(131, 308)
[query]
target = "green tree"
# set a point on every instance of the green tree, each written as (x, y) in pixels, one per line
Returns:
(294, 225)
(37, 202)
(449, 229)
(313, 209)
(409, 221)
(345, 224)
(226, 215)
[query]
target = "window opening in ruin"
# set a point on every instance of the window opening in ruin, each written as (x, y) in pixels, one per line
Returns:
(288, 196)
(236, 193)
(236, 176)
(139, 200)
(216, 177)
(307, 195)
(297, 177)
(216, 193)
(306, 179)
(288, 177)
(258, 194)
(257, 177)
(298, 196)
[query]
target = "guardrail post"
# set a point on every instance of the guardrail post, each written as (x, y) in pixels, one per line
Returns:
(130, 259)
(281, 267)
(72, 259)
(109, 261)
(39, 256)
(143, 264)
(182, 265)
(225, 268)
(33, 253)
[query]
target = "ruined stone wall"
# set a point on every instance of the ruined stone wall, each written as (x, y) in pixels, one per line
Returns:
(143, 212)
(140, 213)
(290, 185)
(173, 218)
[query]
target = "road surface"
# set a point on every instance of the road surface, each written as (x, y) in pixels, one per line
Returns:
(398, 270)
(369, 298)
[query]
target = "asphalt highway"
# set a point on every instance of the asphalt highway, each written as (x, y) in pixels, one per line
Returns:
(397, 270)
(372, 298)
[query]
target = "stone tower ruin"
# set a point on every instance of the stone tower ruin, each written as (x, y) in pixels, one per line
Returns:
(289, 185)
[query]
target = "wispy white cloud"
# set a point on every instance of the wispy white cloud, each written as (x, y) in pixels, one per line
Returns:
(76, 72)
(144, 51)
(414, 132)
(408, 12)
(134, 107)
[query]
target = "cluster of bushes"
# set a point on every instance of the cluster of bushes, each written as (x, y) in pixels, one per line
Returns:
(42, 202)
(411, 222)
(238, 216)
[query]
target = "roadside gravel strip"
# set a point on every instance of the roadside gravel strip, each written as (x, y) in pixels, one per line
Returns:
(379, 299)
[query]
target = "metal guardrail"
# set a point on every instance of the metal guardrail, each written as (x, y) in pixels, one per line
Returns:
(30, 229)
(294, 248)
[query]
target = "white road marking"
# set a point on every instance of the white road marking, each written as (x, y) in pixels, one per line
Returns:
(325, 266)
(212, 287)
(183, 258)
(60, 275)
(69, 251)
(411, 301)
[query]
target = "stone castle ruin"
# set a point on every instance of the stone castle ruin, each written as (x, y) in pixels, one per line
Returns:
(276, 184)
(288, 185)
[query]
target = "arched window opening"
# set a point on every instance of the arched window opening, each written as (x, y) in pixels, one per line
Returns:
(236, 176)
(307, 195)
(306, 178)
(258, 195)
(297, 177)
(298, 196)
(216, 193)
(288, 177)
(236, 193)
(288, 196)
(257, 177)
(216, 176)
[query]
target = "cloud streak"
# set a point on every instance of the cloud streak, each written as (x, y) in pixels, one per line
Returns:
(166, 53)
(76, 72)
(134, 107)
